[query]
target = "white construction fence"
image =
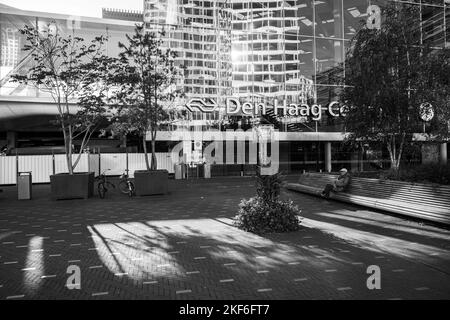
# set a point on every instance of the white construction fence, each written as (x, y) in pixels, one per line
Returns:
(43, 166)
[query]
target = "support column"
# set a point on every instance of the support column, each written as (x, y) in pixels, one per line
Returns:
(328, 156)
(11, 138)
(443, 153)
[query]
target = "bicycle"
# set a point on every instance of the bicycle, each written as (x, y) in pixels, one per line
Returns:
(102, 183)
(126, 186)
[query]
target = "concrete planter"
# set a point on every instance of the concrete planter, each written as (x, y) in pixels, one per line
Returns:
(150, 183)
(77, 186)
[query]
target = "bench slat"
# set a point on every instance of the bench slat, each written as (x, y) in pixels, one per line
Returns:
(429, 202)
(400, 194)
(404, 192)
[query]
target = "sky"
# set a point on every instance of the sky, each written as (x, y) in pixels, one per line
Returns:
(89, 8)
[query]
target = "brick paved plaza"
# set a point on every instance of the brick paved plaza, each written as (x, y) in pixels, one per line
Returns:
(183, 246)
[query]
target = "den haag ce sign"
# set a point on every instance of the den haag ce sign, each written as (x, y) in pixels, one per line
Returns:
(235, 107)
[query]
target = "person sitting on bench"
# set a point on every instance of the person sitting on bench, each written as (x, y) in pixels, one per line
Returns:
(339, 185)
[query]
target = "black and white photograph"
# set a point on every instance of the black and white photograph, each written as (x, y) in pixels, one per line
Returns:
(224, 155)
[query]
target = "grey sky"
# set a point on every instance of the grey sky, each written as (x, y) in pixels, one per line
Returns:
(90, 8)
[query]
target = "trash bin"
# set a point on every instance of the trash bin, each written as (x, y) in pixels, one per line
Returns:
(24, 181)
(207, 171)
(179, 172)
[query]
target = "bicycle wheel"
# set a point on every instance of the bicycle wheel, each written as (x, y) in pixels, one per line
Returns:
(130, 189)
(101, 191)
(123, 187)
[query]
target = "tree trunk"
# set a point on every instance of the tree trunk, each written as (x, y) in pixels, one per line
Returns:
(70, 164)
(66, 135)
(69, 138)
(153, 132)
(395, 165)
(69, 157)
(395, 153)
(68, 149)
(84, 143)
(144, 144)
(392, 155)
(154, 161)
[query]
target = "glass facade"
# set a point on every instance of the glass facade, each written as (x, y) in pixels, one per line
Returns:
(268, 51)
(200, 33)
(254, 51)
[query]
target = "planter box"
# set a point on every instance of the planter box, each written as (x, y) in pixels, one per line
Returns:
(77, 186)
(148, 183)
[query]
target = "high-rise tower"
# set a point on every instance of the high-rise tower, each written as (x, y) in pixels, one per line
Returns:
(200, 33)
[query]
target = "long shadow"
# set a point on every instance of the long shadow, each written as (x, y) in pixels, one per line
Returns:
(107, 246)
(279, 253)
(202, 259)
(279, 258)
(146, 255)
(431, 232)
(342, 215)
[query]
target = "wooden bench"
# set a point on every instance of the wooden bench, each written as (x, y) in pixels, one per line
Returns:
(423, 201)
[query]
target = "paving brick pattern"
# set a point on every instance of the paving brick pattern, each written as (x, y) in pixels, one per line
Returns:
(183, 246)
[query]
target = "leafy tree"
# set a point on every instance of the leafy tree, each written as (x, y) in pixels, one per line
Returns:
(145, 81)
(70, 69)
(390, 72)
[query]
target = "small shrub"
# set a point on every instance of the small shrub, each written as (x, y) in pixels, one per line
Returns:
(259, 217)
(425, 173)
(266, 213)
